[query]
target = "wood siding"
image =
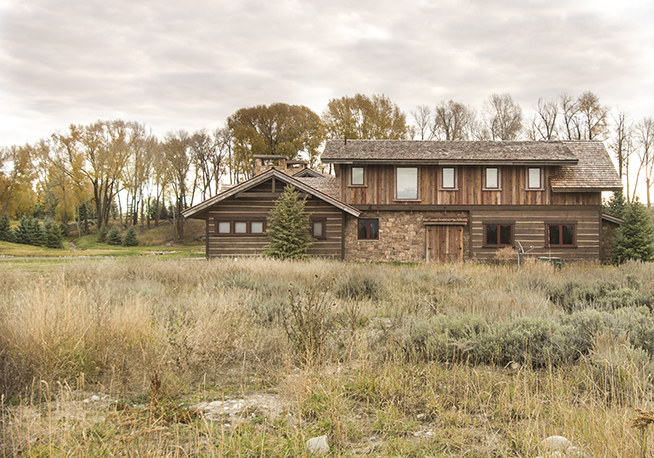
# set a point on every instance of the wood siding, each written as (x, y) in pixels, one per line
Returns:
(379, 188)
(255, 205)
(530, 229)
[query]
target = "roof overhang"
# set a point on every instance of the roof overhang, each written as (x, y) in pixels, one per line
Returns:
(198, 210)
(613, 219)
(449, 162)
(584, 189)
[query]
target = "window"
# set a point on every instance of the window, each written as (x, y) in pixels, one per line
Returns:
(499, 235)
(256, 227)
(224, 227)
(318, 229)
(407, 183)
(492, 178)
(357, 177)
(448, 178)
(240, 227)
(561, 234)
(533, 178)
(369, 229)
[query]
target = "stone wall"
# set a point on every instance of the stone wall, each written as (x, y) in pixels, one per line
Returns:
(402, 237)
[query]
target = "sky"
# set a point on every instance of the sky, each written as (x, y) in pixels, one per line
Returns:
(190, 65)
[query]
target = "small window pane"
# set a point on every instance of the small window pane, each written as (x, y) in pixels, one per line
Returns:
(318, 229)
(534, 178)
(256, 227)
(407, 183)
(240, 228)
(491, 235)
(448, 177)
(567, 233)
(224, 227)
(357, 175)
(374, 228)
(491, 178)
(505, 235)
(555, 238)
(363, 228)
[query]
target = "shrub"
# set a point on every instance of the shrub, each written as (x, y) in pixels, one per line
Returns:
(533, 341)
(360, 283)
(102, 234)
(114, 237)
(130, 237)
(54, 237)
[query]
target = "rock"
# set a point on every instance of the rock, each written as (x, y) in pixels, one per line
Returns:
(556, 443)
(318, 445)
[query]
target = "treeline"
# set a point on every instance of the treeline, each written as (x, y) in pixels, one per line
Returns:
(121, 170)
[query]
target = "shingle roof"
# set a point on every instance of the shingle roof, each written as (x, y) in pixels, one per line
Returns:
(595, 170)
(328, 186)
(446, 152)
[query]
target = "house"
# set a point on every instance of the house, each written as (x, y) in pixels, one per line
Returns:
(434, 201)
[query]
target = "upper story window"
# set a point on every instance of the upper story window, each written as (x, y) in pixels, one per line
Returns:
(448, 178)
(357, 176)
(492, 178)
(534, 178)
(407, 183)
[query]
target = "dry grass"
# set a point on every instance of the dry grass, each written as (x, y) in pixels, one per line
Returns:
(215, 330)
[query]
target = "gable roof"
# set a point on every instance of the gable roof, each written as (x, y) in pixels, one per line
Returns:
(447, 152)
(594, 172)
(298, 183)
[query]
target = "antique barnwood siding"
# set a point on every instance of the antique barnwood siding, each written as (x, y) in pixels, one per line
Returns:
(252, 201)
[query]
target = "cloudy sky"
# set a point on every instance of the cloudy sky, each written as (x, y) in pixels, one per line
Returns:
(190, 64)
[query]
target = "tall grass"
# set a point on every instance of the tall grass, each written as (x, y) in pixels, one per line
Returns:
(465, 360)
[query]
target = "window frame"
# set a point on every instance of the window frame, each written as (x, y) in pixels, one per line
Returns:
(540, 179)
(218, 221)
(247, 227)
(441, 178)
(232, 227)
(560, 226)
(510, 224)
(324, 229)
(498, 178)
(367, 228)
(408, 199)
(263, 227)
(363, 176)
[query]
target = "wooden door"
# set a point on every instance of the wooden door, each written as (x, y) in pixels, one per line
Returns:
(444, 244)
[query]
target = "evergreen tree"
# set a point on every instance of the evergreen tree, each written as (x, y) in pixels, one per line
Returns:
(54, 237)
(37, 237)
(63, 228)
(288, 227)
(130, 237)
(102, 234)
(114, 237)
(6, 234)
(634, 239)
(615, 205)
(23, 233)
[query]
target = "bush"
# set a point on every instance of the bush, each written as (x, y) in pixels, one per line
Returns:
(130, 237)
(114, 237)
(102, 234)
(360, 284)
(54, 237)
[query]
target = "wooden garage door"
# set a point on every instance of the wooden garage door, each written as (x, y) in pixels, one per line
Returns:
(444, 244)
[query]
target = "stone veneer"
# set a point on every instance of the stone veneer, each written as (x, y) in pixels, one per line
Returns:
(401, 237)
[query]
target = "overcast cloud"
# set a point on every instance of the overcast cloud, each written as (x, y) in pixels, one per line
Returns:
(189, 65)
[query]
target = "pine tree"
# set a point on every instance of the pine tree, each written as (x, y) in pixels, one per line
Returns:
(6, 234)
(102, 234)
(37, 236)
(634, 239)
(23, 233)
(615, 205)
(288, 227)
(130, 237)
(54, 237)
(114, 237)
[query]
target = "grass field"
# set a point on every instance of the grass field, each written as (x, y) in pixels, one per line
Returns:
(144, 356)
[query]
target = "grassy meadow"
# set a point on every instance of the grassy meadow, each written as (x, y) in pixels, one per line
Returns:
(121, 356)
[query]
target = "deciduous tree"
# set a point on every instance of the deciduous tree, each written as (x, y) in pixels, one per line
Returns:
(452, 121)
(503, 117)
(544, 122)
(363, 117)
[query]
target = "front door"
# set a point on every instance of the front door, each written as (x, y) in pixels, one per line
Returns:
(444, 244)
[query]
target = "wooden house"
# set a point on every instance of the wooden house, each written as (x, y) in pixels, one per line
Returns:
(412, 201)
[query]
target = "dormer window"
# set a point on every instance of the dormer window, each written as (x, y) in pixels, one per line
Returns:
(533, 178)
